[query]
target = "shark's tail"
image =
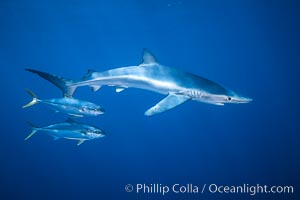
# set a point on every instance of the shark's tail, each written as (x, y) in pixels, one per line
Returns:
(34, 101)
(33, 131)
(66, 85)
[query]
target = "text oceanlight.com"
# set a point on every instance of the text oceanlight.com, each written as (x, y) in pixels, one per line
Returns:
(176, 188)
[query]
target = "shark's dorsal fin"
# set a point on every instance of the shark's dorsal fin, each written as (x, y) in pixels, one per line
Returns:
(148, 58)
(89, 73)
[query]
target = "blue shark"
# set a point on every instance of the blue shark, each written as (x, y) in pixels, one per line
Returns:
(69, 130)
(70, 106)
(177, 85)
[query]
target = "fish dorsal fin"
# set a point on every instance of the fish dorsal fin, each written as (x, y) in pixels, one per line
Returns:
(70, 120)
(148, 58)
(90, 72)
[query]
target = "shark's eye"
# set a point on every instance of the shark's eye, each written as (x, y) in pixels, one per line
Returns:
(229, 98)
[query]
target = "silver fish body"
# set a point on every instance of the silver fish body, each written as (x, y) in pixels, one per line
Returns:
(70, 106)
(69, 130)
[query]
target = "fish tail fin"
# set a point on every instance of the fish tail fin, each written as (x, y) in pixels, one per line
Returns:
(31, 134)
(80, 142)
(34, 101)
(33, 131)
(65, 85)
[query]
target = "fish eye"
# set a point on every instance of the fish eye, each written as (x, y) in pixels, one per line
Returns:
(229, 98)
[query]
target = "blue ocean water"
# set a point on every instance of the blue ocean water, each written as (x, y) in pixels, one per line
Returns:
(251, 47)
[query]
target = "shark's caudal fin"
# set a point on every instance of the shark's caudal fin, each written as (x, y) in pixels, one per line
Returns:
(34, 101)
(62, 83)
(33, 131)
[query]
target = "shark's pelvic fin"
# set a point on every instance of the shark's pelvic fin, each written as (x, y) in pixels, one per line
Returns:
(171, 101)
(95, 87)
(64, 84)
(34, 101)
(120, 89)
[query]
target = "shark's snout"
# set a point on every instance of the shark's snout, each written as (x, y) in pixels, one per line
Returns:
(241, 100)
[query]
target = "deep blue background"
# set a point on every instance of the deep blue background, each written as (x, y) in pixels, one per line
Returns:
(251, 47)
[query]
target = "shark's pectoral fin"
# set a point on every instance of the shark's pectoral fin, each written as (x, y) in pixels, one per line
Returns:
(171, 101)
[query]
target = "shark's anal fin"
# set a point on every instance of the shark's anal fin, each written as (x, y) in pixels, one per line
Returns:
(171, 101)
